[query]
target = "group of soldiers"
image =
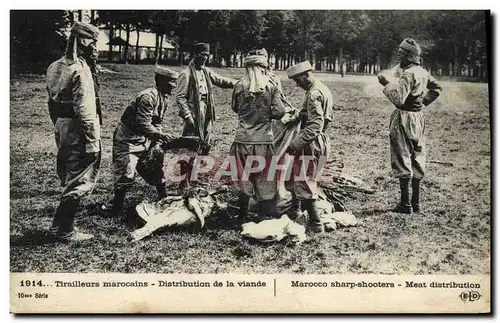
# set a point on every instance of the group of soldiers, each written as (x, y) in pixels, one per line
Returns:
(257, 99)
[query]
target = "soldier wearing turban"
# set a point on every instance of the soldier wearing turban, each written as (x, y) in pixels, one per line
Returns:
(196, 101)
(257, 101)
(72, 108)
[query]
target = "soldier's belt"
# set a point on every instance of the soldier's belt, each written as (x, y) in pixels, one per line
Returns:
(61, 109)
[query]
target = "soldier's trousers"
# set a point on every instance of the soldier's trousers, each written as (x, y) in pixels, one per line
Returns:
(78, 174)
(308, 167)
(408, 144)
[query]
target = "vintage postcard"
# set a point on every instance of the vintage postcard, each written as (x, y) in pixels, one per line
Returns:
(250, 161)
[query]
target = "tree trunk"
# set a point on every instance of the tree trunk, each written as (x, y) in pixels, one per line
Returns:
(120, 57)
(137, 52)
(378, 62)
(456, 66)
(217, 56)
(127, 44)
(157, 44)
(160, 50)
(181, 54)
(111, 36)
(341, 62)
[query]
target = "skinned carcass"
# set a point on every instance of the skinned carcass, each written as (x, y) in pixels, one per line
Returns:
(188, 210)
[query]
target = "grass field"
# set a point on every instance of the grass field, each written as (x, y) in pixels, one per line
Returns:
(451, 236)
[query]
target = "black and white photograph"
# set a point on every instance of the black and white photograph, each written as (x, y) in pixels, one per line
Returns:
(251, 142)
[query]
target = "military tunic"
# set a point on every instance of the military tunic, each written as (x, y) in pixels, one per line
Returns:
(416, 88)
(72, 107)
(254, 137)
(311, 142)
(134, 135)
(195, 98)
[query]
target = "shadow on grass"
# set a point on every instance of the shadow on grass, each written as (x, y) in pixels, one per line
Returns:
(32, 238)
(376, 211)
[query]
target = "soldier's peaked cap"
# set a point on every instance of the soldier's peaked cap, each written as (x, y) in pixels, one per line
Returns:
(165, 71)
(299, 68)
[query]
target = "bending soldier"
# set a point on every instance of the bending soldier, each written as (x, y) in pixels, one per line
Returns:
(311, 146)
(137, 132)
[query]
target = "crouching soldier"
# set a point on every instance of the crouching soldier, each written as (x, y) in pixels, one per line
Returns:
(138, 131)
(415, 89)
(311, 146)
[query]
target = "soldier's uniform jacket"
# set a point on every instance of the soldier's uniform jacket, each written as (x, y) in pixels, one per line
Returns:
(409, 93)
(72, 107)
(255, 114)
(72, 96)
(188, 95)
(145, 113)
(137, 130)
(315, 115)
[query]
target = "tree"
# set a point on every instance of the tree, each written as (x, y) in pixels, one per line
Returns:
(342, 28)
(246, 28)
(37, 38)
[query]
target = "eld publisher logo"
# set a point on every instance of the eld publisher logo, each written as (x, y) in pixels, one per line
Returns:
(470, 296)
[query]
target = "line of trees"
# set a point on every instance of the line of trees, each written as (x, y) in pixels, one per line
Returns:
(362, 41)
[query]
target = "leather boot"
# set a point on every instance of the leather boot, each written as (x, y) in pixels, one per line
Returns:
(243, 201)
(404, 205)
(162, 191)
(268, 209)
(65, 219)
(118, 200)
(314, 223)
(415, 197)
(294, 213)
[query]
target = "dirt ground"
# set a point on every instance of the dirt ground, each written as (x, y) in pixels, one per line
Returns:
(450, 236)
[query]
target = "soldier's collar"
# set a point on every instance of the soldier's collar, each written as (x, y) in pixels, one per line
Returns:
(408, 66)
(313, 82)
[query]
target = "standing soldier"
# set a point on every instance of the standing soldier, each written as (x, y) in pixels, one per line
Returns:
(414, 89)
(138, 131)
(196, 102)
(311, 146)
(257, 100)
(72, 107)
